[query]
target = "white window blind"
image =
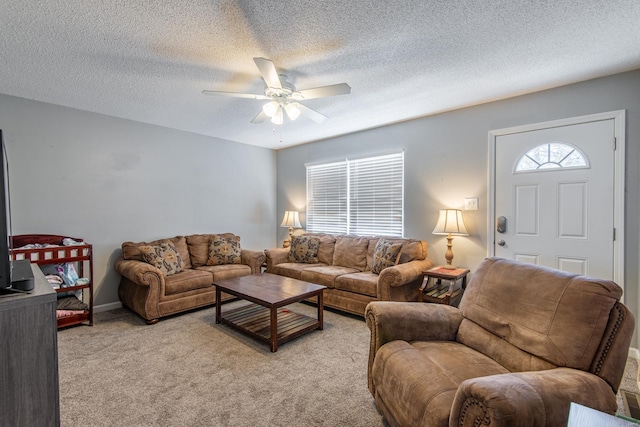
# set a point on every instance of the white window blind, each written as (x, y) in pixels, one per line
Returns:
(362, 196)
(376, 196)
(327, 198)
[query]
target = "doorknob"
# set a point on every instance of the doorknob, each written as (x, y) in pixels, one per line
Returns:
(501, 242)
(501, 224)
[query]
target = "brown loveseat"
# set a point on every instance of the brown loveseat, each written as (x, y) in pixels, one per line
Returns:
(525, 342)
(344, 264)
(146, 290)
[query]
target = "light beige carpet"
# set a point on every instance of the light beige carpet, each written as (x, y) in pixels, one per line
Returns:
(188, 371)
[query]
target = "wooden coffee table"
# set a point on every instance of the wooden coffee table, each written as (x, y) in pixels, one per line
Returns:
(266, 320)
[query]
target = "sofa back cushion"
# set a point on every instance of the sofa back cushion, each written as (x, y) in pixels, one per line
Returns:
(198, 246)
(130, 250)
(327, 246)
(351, 251)
(411, 249)
(553, 315)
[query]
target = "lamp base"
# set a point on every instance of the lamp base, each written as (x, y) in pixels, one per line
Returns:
(449, 267)
(286, 243)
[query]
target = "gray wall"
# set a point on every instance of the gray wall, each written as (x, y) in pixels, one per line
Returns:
(446, 160)
(109, 180)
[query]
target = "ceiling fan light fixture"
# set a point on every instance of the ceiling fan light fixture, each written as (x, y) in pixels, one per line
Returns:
(278, 117)
(293, 112)
(270, 108)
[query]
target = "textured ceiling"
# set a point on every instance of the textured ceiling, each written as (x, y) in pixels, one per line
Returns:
(149, 60)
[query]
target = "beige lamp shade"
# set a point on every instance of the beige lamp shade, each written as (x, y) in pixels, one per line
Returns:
(292, 220)
(450, 223)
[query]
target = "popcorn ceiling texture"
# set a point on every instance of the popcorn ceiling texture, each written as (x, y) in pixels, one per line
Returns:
(149, 61)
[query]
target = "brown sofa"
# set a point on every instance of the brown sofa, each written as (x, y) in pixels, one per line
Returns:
(344, 267)
(152, 294)
(525, 343)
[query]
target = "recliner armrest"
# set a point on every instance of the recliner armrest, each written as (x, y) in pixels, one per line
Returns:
(516, 399)
(409, 321)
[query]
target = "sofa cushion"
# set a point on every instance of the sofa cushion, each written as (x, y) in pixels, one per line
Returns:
(130, 249)
(325, 275)
(187, 280)
(164, 257)
(304, 249)
(198, 246)
(365, 283)
(424, 377)
(293, 269)
(327, 246)
(385, 254)
(561, 319)
(351, 252)
(412, 250)
(224, 250)
(227, 271)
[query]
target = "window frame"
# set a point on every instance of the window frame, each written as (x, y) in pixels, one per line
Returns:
(380, 181)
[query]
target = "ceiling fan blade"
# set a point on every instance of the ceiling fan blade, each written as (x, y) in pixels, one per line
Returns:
(260, 118)
(268, 72)
(321, 92)
(312, 114)
(235, 94)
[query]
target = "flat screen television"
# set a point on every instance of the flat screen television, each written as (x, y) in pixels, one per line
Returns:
(15, 276)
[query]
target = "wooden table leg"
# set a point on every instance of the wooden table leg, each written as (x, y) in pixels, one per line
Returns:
(218, 305)
(274, 329)
(321, 310)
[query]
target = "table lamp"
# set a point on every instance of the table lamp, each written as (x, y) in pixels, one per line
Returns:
(450, 223)
(292, 220)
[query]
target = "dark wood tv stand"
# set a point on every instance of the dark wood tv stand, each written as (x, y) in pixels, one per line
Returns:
(29, 355)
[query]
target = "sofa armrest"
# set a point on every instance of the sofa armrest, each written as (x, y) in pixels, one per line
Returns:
(276, 256)
(518, 398)
(141, 287)
(408, 321)
(253, 259)
(140, 273)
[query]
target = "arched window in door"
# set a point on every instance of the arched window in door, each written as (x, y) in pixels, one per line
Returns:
(552, 155)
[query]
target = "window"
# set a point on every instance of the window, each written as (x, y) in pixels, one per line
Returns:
(327, 198)
(361, 196)
(552, 155)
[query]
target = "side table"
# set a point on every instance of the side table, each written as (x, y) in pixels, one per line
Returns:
(440, 285)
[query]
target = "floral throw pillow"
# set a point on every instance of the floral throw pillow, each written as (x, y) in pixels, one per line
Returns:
(304, 249)
(164, 256)
(385, 255)
(224, 250)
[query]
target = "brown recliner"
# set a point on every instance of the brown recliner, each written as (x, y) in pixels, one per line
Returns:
(525, 343)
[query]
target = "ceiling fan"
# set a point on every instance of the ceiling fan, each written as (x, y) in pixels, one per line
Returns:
(283, 96)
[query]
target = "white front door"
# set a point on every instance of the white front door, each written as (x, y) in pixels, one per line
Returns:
(554, 197)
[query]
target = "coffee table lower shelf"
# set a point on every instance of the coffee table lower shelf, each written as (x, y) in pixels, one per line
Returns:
(255, 321)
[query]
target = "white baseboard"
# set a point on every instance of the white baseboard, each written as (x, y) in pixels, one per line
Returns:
(634, 353)
(112, 306)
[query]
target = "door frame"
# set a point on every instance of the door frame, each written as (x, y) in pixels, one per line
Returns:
(618, 117)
